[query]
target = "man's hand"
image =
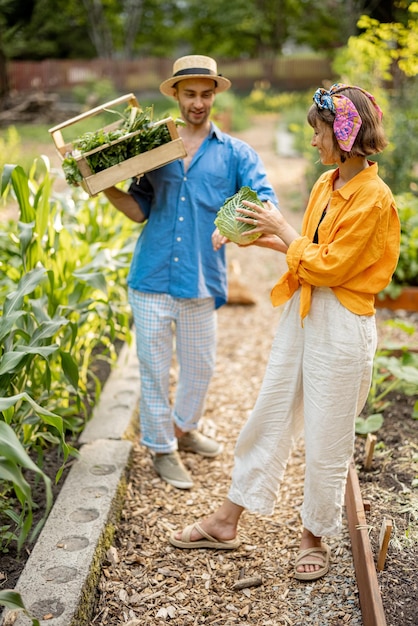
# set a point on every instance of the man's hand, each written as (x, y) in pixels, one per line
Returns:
(218, 240)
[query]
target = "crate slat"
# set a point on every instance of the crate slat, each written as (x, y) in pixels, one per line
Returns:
(144, 162)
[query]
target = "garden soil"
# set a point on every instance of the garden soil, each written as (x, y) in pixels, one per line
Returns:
(146, 581)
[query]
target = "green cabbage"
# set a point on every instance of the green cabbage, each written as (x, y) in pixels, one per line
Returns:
(226, 220)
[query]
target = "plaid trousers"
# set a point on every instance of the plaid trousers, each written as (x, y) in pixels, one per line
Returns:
(165, 326)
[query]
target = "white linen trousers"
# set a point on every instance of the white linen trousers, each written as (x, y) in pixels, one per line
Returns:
(164, 324)
(317, 380)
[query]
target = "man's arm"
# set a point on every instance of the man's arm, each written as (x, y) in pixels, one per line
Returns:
(125, 203)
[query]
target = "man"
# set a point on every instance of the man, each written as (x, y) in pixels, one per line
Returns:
(177, 280)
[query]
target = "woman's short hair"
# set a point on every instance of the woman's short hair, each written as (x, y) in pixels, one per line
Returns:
(371, 137)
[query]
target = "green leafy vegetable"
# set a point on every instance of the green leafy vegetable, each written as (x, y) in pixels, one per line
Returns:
(134, 119)
(226, 220)
(71, 172)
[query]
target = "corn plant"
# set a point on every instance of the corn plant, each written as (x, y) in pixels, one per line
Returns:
(62, 302)
(14, 459)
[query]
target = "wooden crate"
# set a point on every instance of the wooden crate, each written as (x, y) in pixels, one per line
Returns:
(135, 166)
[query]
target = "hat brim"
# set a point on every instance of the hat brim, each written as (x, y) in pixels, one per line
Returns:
(167, 86)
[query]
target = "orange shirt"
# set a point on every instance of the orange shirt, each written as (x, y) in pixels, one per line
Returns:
(358, 243)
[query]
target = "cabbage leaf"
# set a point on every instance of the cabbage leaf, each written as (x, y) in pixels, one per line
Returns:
(227, 223)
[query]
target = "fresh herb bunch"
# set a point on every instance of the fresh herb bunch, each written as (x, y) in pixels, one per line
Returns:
(134, 119)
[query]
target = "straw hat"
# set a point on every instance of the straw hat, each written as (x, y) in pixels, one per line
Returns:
(194, 66)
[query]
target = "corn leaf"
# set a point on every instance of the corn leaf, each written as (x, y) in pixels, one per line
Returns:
(13, 600)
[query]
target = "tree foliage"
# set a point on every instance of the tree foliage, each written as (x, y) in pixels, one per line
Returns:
(31, 30)
(239, 28)
(383, 58)
(382, 51)
(132, 28)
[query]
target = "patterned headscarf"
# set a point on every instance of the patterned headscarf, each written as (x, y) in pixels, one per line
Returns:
(347, 119)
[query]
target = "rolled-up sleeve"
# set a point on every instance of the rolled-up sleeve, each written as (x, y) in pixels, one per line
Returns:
(358, 242)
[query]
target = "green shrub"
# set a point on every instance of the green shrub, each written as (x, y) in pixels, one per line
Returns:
(406, 273)
(94, 92)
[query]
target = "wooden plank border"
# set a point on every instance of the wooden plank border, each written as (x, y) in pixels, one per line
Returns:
(370, 599)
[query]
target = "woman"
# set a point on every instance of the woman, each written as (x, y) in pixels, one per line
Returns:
(319, 371)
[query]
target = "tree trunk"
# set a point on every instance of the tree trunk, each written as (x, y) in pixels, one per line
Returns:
(99, 30)
(4, 77)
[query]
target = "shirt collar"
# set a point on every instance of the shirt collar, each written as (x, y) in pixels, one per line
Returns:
(351, 187)
(215, 132)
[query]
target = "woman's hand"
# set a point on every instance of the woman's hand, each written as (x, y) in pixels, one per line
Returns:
(218, 240)
(267, 220)
(270, 241)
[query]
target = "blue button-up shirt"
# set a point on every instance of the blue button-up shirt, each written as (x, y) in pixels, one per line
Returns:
(174, 252)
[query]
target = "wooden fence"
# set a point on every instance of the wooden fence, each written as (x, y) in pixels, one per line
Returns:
(145, 75)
